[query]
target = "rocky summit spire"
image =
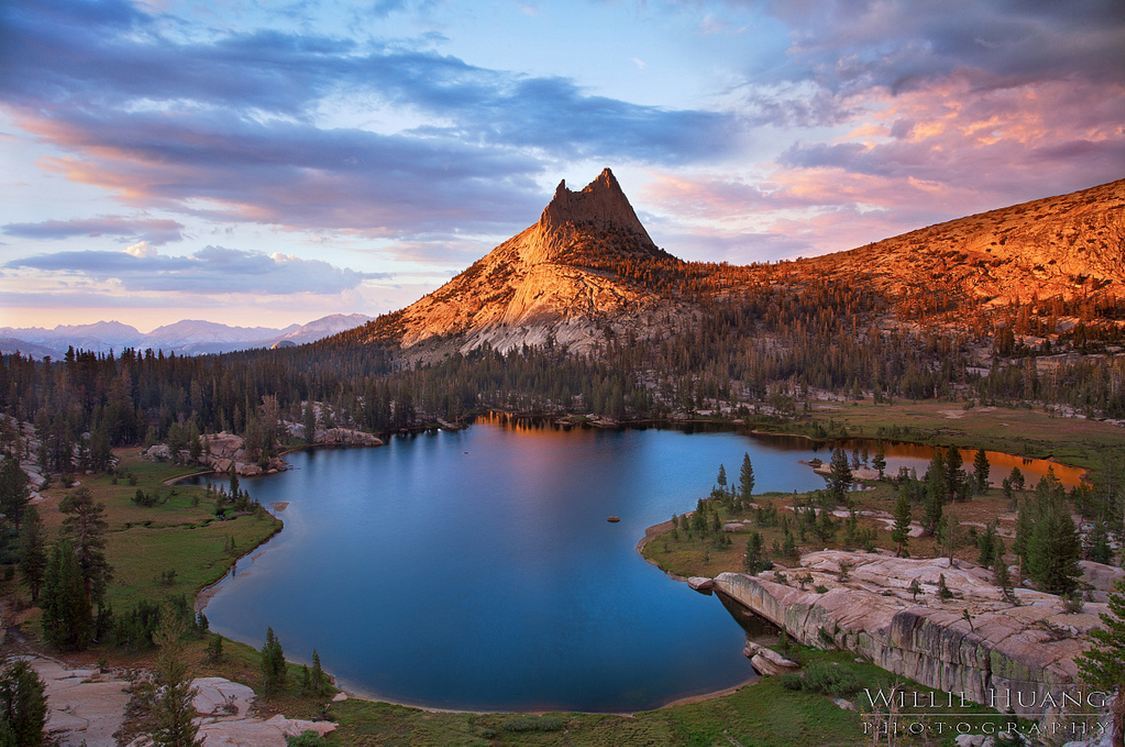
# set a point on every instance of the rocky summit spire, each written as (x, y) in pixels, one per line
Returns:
(601, 202)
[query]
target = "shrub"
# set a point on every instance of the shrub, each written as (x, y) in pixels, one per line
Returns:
(523, 724)
(829, 679)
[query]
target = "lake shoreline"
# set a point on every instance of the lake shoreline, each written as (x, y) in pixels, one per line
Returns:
(652, 532)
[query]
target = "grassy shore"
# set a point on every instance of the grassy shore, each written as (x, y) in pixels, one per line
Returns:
(1024, 432)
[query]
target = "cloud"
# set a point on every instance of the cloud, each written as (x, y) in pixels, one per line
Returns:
(154, 231)
(226, 168)
(117, 58)
(211, 270)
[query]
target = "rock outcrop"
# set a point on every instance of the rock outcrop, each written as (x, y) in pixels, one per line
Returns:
(226, 452)
(1001, 654)
(767, 661)
(87, 706)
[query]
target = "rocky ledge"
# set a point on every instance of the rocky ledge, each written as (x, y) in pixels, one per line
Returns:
(978, 643)
(226, 452)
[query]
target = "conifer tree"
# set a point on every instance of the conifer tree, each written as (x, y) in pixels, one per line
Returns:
(23, 705)
(953, 476)
(879, 461)
(746, 479)
(1053, 546)
(986, 545)
(67, 617)
(14, 494)
(33, 554)
(754, 559)
(839, 476)
(1103, 664)
(318, 678)
(171, 719)
(900, 534)
(980, 471)
(949, 537)
(274, 673)
(310, 422)
(85, 526)
(1001, 577)
(721, 479)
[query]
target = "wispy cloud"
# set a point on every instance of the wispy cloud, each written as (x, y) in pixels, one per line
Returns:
(211, 270)
(153, 231)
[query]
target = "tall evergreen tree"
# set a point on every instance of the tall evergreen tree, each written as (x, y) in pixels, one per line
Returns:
(23, 705)
(274, 672)
(980, 471)
(14, 493)
(33, 554)
(754, 560)
(839, 476)
(949, 537)
(67, 615)
(721, 479)
(171, 718)
(953, 463)
(318, 680)
(310, 422)
(746, 479)
(1053, 547)
(986, 545)
(85, 526)
(900, 534)
(1103, 664)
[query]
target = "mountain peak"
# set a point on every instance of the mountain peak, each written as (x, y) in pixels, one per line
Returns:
(599, 202)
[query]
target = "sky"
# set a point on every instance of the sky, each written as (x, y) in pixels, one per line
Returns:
(261, 162)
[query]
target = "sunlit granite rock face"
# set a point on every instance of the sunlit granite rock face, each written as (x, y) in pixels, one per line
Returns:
(1013, 657)
(559, 279)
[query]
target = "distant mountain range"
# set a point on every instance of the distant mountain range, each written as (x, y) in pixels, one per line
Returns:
(186, 337)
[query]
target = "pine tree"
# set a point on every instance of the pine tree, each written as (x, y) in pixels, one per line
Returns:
(980, 471)
(721, 479)
(310, 422)
(14, 494)
(33, 554)
(85, 526)
(1001, 577)
(23, 705)
(900, 534)
(986, 545)
(1103, 664)
(935, 495)
(319, 679)
(754, 559)
(825, 526)
(953, 464)
(1097, 544)
(274, 673)
(171, 717)
(67, 616)
(879, 461)
(949, 537)
(746, 479)
(839, 476)
(1053, 546)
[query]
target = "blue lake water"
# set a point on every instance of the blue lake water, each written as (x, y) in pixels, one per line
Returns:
(476, 569)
